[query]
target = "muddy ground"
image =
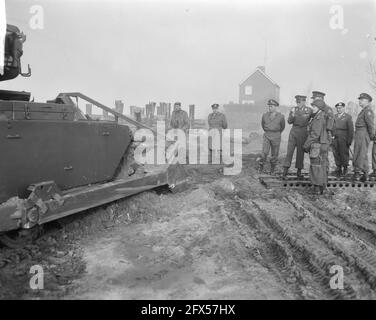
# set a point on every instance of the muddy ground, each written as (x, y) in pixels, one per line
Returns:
(225, 237)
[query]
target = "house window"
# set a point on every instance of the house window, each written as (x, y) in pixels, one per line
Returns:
(248, 90)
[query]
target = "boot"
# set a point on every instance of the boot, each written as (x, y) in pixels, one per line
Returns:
(344, 171)
(299, 173)
(316, 189)
(272, 168)
(356, 176)
(261, 167)
(338, 171)
(284, 174)
(364, 177)
(372, 176)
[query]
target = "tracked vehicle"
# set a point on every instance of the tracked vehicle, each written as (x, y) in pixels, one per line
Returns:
(57, 161)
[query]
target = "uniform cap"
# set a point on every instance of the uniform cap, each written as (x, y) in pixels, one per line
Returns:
(340, 104)
(365, 96)
(177, 104)
(300, 98)
(319, 104)
(317, 94)
(272, 102)
(215, 106)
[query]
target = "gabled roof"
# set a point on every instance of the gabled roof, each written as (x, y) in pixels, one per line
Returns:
(263, 73)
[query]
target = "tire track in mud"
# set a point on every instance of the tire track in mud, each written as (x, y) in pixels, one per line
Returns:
(316, 259)
(359, 254)
(301, 269)
(364, 238)
(363, 230)
(301, 251)
(272, 254)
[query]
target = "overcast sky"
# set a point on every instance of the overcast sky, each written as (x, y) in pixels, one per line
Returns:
(196, 52)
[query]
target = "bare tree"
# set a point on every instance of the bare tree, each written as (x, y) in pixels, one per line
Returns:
(372, 75)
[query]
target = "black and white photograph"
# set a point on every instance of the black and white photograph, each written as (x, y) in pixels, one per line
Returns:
(187, 155)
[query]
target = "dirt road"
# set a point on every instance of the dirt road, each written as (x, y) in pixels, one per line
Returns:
(226, 237)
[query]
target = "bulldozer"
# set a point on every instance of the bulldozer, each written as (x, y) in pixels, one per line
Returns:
(57, 161)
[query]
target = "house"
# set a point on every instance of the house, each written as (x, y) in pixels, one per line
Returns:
(258, 88)
(254, 93)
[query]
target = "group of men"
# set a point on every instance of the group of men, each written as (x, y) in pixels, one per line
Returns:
(314, 129)
(180, 120)
(216, 120)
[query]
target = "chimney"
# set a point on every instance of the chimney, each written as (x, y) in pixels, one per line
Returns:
(262, 68)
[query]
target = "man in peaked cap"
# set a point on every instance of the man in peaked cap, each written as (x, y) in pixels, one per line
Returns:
(317, 144)
(299, 117)
(217, 121)
(343, 137)
(318, 95)
(273, 123)
(329, 115)
(179, 118)
(364, 133)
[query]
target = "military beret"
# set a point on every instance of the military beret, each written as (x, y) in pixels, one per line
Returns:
(319, 104)
(177, 104)
(316, 94)
(272, 102)
(365, 96)
(300, 98)
(215, 106)
(340, 104)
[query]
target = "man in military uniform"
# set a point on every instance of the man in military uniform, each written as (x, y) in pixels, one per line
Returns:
(364, 133)
(373, 174)
(218, 121)
(317, 144)
(343, 137)
(179, 118)
(273, 123)
(329, 115)
(299, 117)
